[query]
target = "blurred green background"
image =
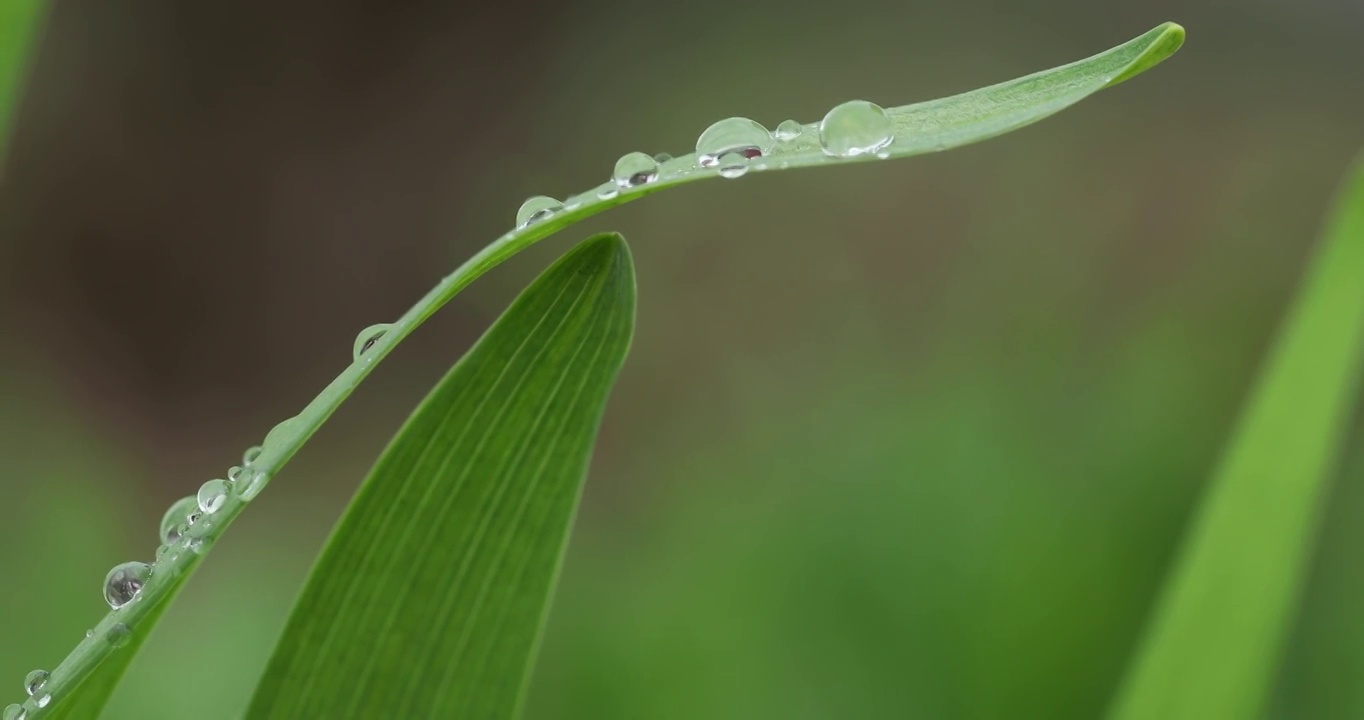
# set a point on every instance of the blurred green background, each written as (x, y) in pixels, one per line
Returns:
(912, 439)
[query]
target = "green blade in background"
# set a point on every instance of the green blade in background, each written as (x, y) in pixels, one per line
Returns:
(1212, 645)
(429, 598)
(18, 27)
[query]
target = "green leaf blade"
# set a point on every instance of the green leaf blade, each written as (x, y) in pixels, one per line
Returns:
(430, 595)
(1217, 632)
(919, 128)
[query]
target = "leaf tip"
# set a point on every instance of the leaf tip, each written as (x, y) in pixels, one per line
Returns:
(1162, 41)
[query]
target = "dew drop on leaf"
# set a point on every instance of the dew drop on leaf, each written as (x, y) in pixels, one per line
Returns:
(251, 455)
(124, 582)
(212, 495)
(536, 209)
(367, 337)
(855, 128)
(737, 135)
(251, 483)
(789, 130)
(732, 165)
(173, 522)
(13, 712)
(278, 433)
(119, 635)
(635, 169)
(662, 158)
(34, 681)
(42, 700)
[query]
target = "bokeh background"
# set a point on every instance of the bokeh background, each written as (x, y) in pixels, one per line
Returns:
(902, 440)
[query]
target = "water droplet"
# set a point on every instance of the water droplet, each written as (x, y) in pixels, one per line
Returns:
(212, 495)
(536, 209)
(733, 165)
(42, 700)
(662, 158)
(252, 482)
(124, 582)
(607, 191)
(34, 681)
(732, 135)
(234, 474)
(89, 634)
(367, 337)
(635, 169)
(200, 544)
(279, 432)
(789, 130)
(251, 455)
(119, 635)
(13, 712)
(173, 522)
(854, 128)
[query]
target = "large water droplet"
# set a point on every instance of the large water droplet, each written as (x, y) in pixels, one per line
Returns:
(251, 455)
(732, 135)
(732, 165)
(13, 711)
(119, 635)
(854, 128)
(34, 681)
(635, 169)
(367, 337)
(175, 519)
(124, 582)
(789, 130)
(536, 209)
(212, 495)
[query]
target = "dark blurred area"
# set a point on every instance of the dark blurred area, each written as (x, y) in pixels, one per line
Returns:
(912, 439)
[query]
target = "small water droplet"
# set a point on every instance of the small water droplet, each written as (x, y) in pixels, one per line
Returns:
(34, 681)
(367, 337)
(661, 158)
(739, 135)
(173, 522)
(200, 544)
(13, 711)
(119, 635)
(212, 495)
(234, 474)
(252, 482)
(89, 634)
(279, 432)
(854, 128)
(607, 191)
(733, 165)
(635, 169)
(789, 130)
(251, 455)
(124, 582)
(535, 209)
(43, 700)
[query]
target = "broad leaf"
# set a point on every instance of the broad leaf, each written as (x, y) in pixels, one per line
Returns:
(429, 598)
(1211, 649)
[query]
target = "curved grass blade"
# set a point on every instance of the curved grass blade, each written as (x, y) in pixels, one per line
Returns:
(1211, 648)
(429, 598)
(919, 128)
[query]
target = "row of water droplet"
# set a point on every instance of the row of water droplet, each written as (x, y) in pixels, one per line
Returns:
(851, 129)
(854, 128)
(123, 585)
